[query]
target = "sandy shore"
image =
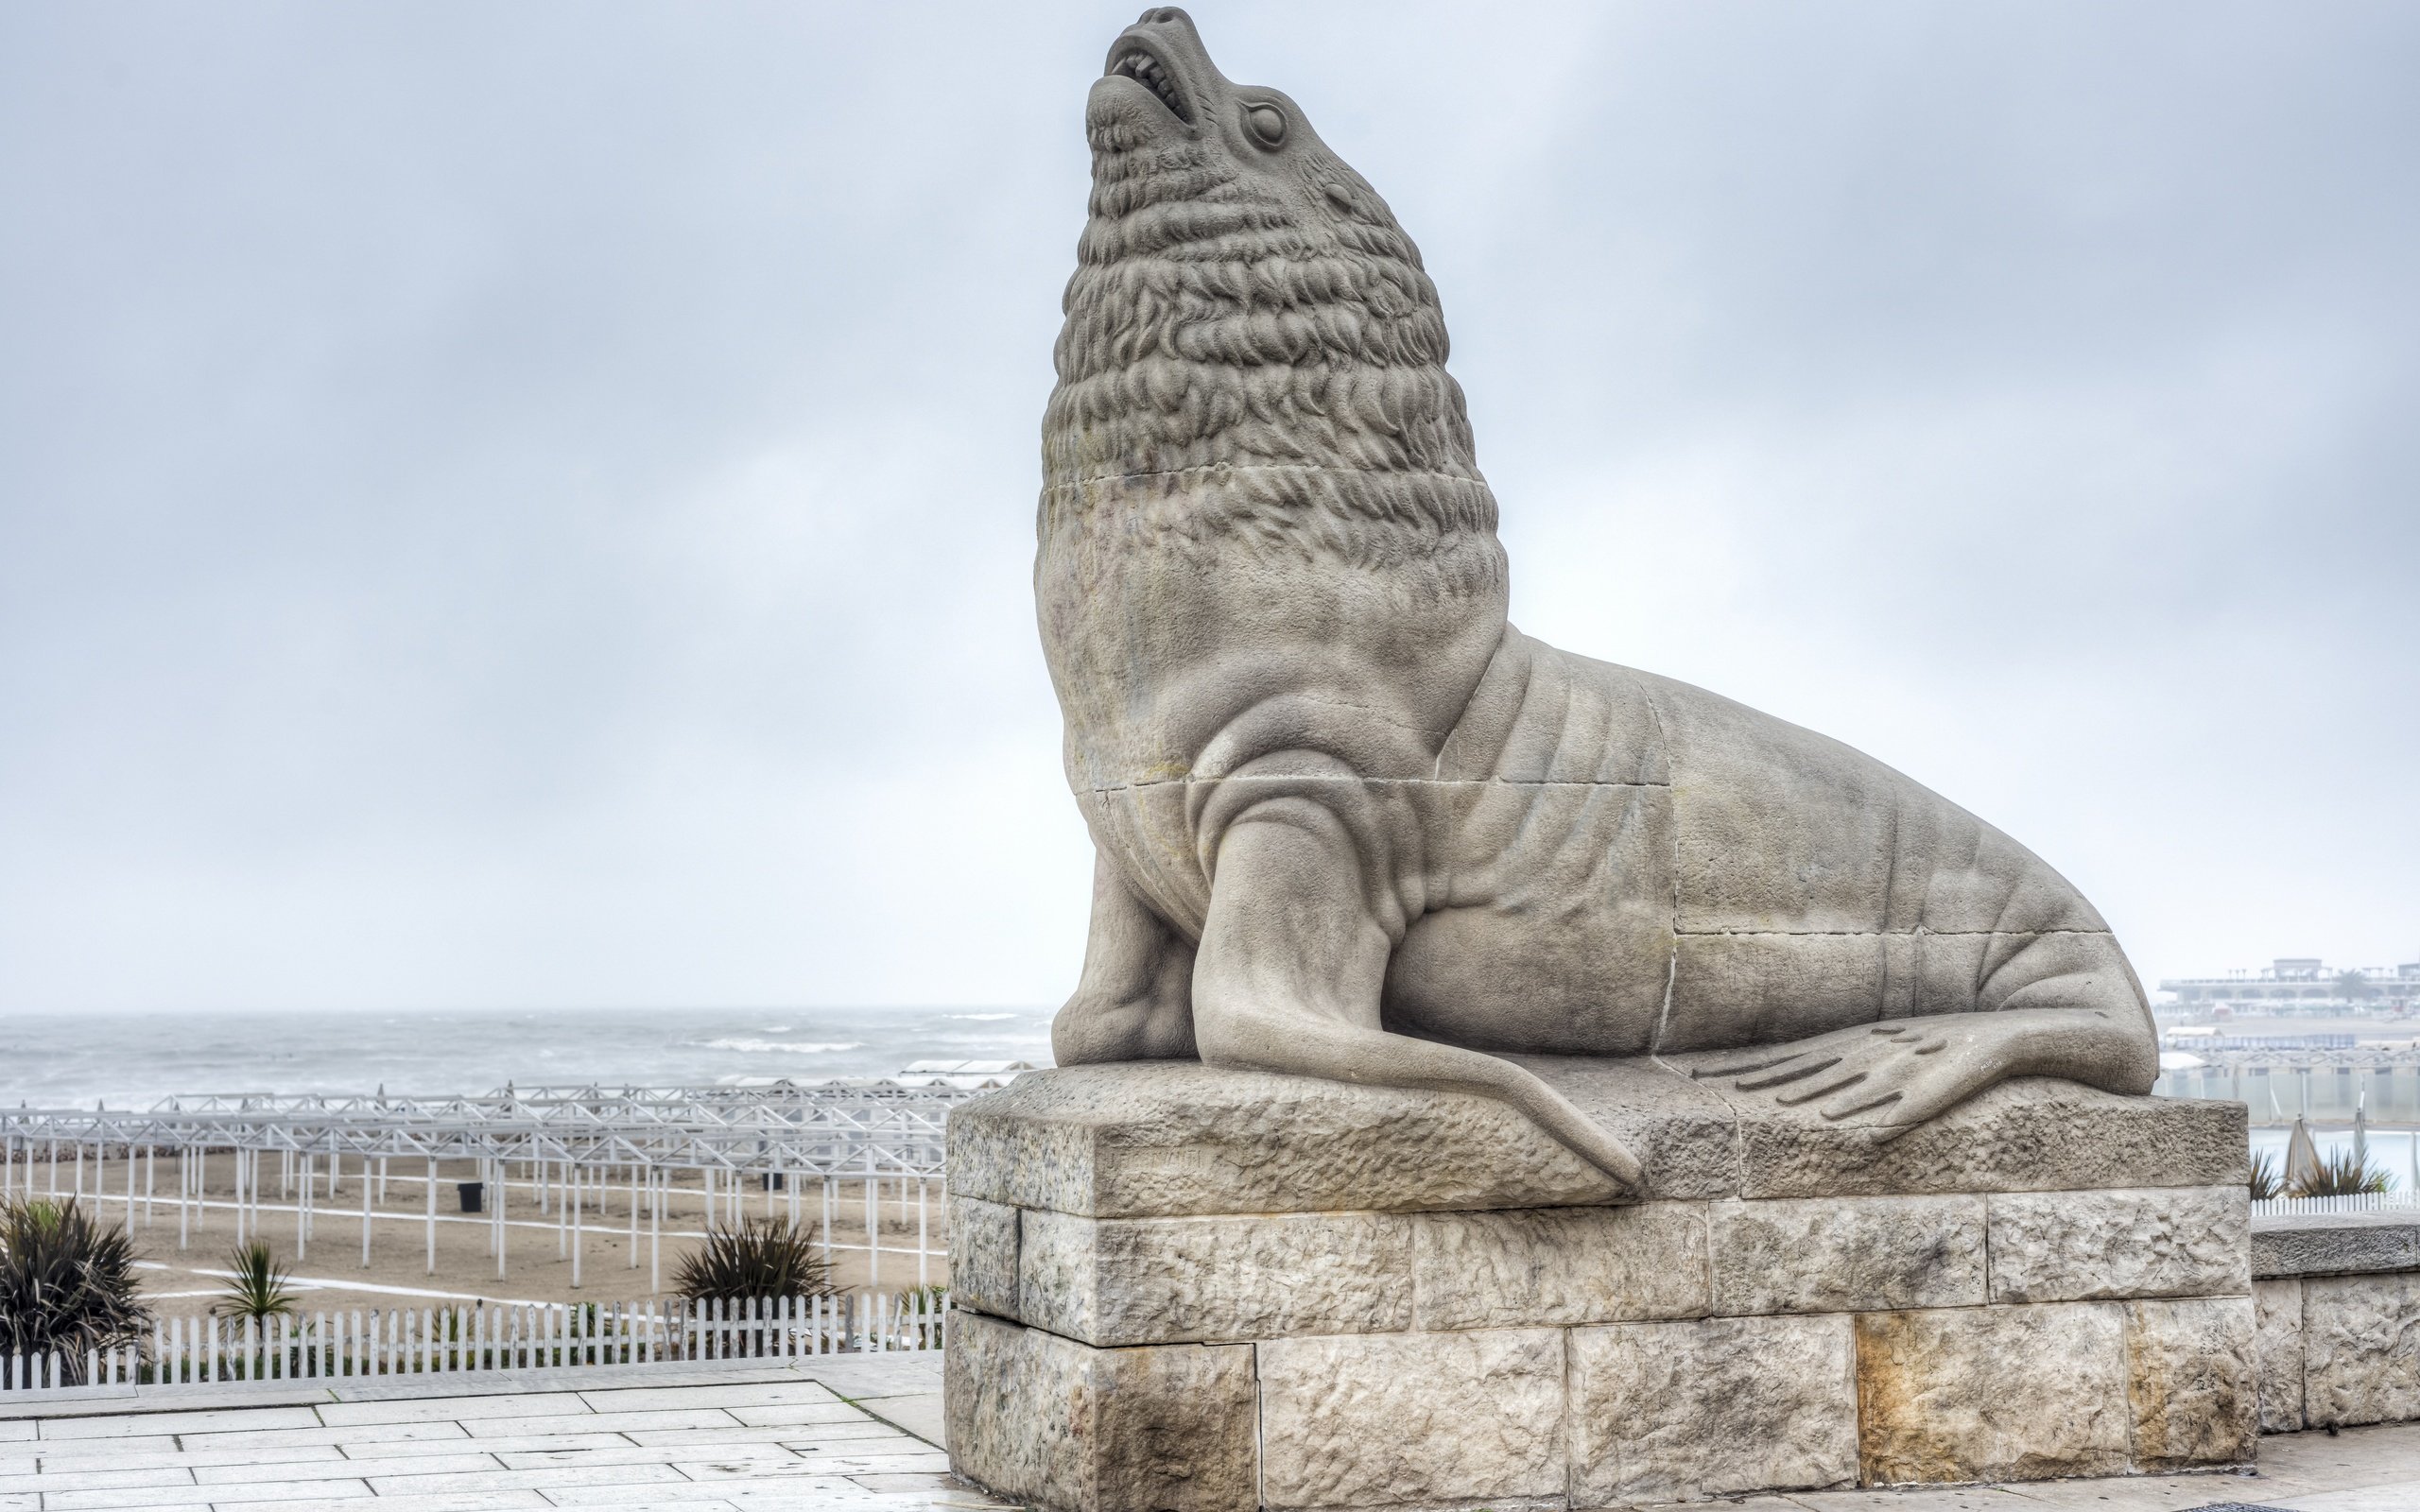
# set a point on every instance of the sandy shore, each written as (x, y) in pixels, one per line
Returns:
(328, 1271)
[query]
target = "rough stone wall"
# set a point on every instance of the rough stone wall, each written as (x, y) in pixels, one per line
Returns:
(2338, 1304)
(1598, 1357)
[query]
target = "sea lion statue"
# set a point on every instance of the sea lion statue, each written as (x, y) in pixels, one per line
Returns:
(1348, 823)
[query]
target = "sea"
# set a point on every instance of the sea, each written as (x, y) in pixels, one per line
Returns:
(134, 1061)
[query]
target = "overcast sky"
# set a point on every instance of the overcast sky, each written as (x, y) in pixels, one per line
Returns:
(517, 506)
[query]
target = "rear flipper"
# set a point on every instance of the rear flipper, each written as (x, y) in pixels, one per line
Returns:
(1290, 972)
(1904, 1072)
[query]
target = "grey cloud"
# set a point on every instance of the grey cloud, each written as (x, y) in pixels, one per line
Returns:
(534, 504)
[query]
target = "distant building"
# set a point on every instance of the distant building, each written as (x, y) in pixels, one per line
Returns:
(2300, 985)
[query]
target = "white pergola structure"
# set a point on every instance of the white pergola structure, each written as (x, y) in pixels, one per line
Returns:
(574, 1146)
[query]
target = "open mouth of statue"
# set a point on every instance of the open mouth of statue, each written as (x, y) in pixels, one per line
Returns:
(1139, 65)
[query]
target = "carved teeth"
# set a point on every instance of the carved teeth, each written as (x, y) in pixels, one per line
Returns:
(1146, 70)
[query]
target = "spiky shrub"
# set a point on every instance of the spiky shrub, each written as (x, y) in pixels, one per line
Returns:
(2265, 1184)
(762, 1258)
(2343, 1175)
(256, 1290)
(67, 1284)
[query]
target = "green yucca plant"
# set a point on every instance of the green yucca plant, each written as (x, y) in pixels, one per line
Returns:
(256, 1291)
(763, 1257)
(2265, 1184)
(2341, 1174)
(66, 1283)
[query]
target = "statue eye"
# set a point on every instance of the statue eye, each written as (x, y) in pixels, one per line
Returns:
(1266, 123)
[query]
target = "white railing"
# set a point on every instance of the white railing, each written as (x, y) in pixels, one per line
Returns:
(2401, 1201)
(365, 1344)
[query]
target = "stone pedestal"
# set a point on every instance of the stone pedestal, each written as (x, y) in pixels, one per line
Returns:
(1179, 1288)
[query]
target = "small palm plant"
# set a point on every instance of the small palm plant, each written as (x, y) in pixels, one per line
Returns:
(256, 1290)
(2265, 1185)
(2343, 1174)
(763, 1257)
(67, 1284)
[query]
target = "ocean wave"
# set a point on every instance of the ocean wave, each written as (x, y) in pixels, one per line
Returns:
(794, 1047)
(981, 1018)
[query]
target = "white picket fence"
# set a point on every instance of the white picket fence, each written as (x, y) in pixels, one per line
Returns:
(364, 1343)
(2398, 1201)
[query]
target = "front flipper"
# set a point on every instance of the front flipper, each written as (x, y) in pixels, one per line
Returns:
(1134, 1001)
(1908, 1071)
(1290, 971)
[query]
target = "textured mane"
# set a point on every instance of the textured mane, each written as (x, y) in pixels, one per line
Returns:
(1232, 368)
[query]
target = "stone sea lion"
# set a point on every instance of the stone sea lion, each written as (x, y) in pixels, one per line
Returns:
(1349, 821)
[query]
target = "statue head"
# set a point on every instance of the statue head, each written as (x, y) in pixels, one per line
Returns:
(1244, 300)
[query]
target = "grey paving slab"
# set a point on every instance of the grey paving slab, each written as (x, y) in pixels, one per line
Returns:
(118, 1402)
(133, 1425)
(767, 1394)
(802, 1413)
(454, 1409)
(338, 1469)
(797, 1421)
(106, 1454)
(488, 1502)
(791, 1468)
(858, 1426)
(919, 1414)
(560, 1378)
(20, 1502)
(95, 1480)
(689, 1494)
(2179, 1493)
(602, 1422)
(408, 1449)
(806, 1496)
(858, 1377)
(705, 1501)
(100, 1450)
(284, 1497)
(904, 1482)
(853, 1498)
(648, 1455)
(347, 1436)
(192, 1496)
(829, 1463)
(768, 1434)
(823, 1451)
(15, 1428)
(1958, 1499)
(548, 1479)
(2401, 1496)
(2351, 1459)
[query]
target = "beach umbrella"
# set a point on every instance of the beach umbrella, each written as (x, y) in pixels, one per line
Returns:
(2302, 1157)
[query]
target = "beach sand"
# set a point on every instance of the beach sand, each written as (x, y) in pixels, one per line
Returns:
(329, 1273)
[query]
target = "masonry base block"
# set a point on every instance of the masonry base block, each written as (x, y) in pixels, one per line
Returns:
(2082, 1305)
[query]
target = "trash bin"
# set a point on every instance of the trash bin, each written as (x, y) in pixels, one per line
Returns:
(472, 1191)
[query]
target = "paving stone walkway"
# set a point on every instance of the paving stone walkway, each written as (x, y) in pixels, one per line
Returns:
(858, 1434)
(847, 1433)
(2362, 1470)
